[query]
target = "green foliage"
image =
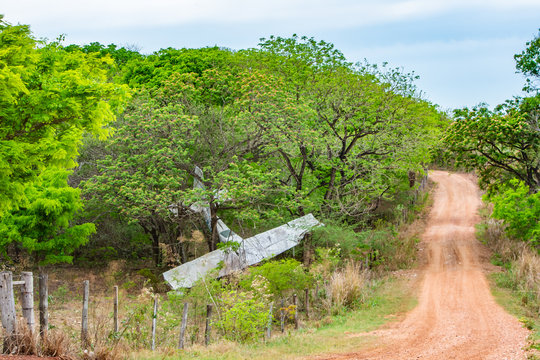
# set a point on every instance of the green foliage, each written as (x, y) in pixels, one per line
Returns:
(243, 316)
(229, 246)
(332, 125)
(138, 316)
(501, 144)
(153, 279)
(520, 211)
(154, 70)
(282, 275)
(372, 247)
(528, 63)
(48, 99)
(42, 226)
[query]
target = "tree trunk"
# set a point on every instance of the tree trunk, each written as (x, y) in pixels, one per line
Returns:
(156, 255)
(412, 178)
(214, 236)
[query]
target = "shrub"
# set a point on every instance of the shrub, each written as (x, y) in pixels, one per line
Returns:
(282, 275)
(243, 316)
(519, 210)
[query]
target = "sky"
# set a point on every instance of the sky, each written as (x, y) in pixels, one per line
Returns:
(461, 49)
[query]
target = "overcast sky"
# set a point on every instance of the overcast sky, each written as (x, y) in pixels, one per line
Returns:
(461, 49)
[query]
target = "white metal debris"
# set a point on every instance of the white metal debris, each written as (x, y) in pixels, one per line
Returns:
(251, 251)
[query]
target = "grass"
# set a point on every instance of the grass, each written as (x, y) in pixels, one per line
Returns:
(516, 287)
(389, 300)
(512, 301)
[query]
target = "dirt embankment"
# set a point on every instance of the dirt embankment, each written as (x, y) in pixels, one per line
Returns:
(456, 316)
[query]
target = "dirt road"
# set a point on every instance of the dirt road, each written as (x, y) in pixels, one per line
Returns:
(456, 316)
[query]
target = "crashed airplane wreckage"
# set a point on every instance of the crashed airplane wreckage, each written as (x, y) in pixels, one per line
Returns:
(250, 251)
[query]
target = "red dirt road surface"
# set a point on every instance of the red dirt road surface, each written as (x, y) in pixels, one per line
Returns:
(456, 316)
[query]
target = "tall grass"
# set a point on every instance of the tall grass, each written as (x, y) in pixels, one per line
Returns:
(346, 287)
(521, 261)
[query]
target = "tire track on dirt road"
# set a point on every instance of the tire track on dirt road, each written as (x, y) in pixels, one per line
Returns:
(456, 317)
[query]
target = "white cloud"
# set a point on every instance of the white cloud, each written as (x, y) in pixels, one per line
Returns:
(143, 13)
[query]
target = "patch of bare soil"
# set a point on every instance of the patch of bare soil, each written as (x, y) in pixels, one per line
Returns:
(456, 317)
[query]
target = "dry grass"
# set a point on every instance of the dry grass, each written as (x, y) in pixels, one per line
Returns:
(56, 344)
(522, 261)
(25, 342)
(347, 286)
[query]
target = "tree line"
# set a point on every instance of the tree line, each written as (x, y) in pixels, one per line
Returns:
(105, 135)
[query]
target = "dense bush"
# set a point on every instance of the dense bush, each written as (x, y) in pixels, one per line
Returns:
(519, 210)
(243, 316)
(282, 276)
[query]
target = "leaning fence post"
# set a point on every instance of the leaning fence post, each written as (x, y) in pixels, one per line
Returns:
(269, 326)
(7, 309)
(207, 330)
(183, 326)
(84, 322)
(115, 309)
(43, 305)
(154, 321)
(295, 303)
(282, 315)
(27, 299)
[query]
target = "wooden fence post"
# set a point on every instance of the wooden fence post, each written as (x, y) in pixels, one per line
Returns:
(154, 322)
(84, 322)
(307, 250)
(27, 299)
(295, 303)
(183, 326)
(209, 308)
(269, 326)
(282, 315)
(115, 309)
(7, 309)
(306, 294)
(43, 305)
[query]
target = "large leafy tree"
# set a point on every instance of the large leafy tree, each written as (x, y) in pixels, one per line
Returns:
(354, 131)
(149, 171)
(49, 98)
(501, 144)
(146, 166)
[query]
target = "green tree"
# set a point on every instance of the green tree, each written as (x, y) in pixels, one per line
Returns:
(48, 99)
(146, 167)
(151, 71)
(528, 63)
(501, 144)
(43, 225)
(150, 166)
(345, 135)
(520, 211)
